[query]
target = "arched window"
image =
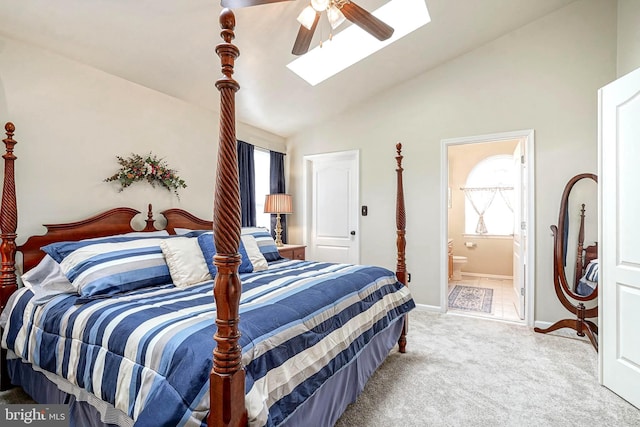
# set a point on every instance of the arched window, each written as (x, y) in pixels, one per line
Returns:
(489, 196)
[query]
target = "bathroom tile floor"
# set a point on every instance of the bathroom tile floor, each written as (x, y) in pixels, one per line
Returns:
(503, 304)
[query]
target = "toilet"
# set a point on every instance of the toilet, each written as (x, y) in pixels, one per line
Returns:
(458, 262)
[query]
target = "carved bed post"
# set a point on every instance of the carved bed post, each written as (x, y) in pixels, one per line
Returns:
(227, 375)
(149, 221)
(8, 225)
(401, 266)
(8, 220)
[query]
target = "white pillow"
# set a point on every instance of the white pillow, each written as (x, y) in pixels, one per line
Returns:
(185, 260)
(253, 252)
(46, 280)
(180, 231)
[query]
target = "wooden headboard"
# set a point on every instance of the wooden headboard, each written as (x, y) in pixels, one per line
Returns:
(108, 223)
(179, 218)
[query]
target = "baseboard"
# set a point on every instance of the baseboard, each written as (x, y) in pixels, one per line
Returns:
(431, 308)
(488, 276)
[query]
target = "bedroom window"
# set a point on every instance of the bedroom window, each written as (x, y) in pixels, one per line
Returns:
(262, 170)
(489, 197)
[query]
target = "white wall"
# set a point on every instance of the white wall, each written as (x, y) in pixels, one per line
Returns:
(72, 120)
(544, 76)
(628, 36)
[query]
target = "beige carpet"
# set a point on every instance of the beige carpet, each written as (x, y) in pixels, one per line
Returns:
(462, 371)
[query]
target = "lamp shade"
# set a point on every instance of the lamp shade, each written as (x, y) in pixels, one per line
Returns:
(278, 204)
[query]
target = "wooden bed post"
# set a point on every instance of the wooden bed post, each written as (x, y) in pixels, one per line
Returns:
(227, 376)
(401, 243)
(8, 220)
(8, 225)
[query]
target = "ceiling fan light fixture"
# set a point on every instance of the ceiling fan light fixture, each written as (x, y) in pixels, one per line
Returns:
(320, 5)
(336, 18)
(306, 17)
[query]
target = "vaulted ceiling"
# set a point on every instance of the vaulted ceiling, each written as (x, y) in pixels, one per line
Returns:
(168, 46)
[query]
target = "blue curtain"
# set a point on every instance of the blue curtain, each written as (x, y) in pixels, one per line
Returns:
(277, 185)
(246, 176)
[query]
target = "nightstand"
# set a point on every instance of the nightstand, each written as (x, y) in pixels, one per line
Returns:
(292, 251)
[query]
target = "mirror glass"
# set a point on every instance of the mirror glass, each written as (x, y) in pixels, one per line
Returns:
(584, 192)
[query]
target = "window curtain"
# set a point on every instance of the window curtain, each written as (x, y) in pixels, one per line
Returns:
(246, 175)
(507, 196)
(277, 185)
(480, 199)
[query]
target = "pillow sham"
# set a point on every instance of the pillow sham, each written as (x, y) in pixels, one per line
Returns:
(591, 272)
(111, 265)
(253, 252)
(205, 240)
(60, 250)
(46, 280)
(185, 260)
(265, 242)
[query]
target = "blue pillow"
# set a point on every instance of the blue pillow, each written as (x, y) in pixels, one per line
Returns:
(592, 271)
(265, 242)
(61, 250)
(111, 265)
(205, 240)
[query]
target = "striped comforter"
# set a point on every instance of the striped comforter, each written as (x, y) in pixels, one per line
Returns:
(148, 352)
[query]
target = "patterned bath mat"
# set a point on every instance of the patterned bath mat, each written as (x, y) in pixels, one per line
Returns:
(471, 298)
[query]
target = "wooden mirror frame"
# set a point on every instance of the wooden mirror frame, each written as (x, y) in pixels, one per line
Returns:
(563, 291)
(559, 245)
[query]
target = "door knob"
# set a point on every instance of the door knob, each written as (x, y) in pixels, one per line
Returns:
(353, 233)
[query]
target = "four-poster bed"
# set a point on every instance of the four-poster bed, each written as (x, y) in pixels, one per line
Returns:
(85, 331)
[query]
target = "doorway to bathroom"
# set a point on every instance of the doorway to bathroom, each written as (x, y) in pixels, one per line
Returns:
(487, 191)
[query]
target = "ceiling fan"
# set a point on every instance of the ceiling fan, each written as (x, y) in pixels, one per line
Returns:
(337, 11)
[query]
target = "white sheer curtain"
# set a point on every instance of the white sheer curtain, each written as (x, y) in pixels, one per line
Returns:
(480, 199)
(507, 196)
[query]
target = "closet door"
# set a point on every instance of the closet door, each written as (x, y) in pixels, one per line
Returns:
(619, 287)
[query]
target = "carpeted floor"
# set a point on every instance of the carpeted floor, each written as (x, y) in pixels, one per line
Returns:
(463, 371)
(15, 395)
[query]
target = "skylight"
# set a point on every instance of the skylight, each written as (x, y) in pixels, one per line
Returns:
(354, 44)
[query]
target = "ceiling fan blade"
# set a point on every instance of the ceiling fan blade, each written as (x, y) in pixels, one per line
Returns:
(366, 21)
(303, 40)
(237, 4)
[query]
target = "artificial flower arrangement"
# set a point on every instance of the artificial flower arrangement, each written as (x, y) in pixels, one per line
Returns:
(148, 168)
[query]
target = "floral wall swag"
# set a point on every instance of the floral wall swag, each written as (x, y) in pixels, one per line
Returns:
(148, 168)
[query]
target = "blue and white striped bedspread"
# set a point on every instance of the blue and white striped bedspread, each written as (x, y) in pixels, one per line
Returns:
(148, 352)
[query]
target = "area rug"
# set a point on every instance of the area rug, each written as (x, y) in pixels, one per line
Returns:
(471, 298)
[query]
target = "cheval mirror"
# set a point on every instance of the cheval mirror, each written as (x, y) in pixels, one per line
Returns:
(575, 257)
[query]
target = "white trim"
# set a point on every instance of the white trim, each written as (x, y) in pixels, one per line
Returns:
(488, 276)
(488, 236)
(473, 316)
(527, 136)
(430, 308)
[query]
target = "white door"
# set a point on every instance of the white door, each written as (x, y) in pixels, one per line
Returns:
(332, 207)
(519, 228)
(619, 285)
